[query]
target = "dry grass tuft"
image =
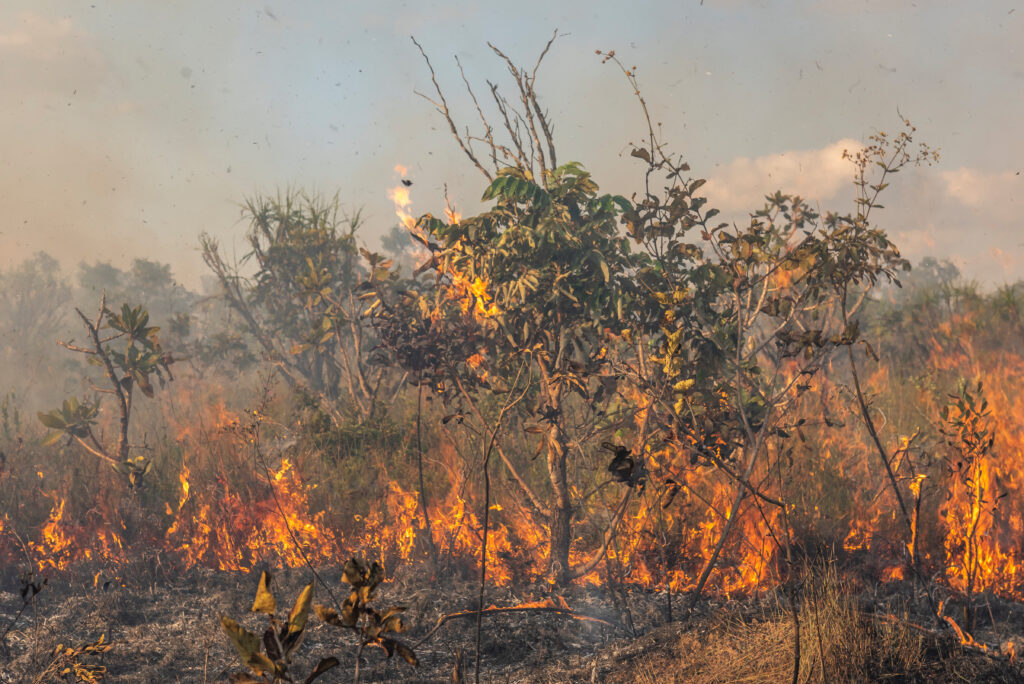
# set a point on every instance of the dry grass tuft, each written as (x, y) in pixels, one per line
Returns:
(838, 643)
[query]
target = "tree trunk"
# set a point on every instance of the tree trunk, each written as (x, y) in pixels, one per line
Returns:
(561, 509)
(561, 513)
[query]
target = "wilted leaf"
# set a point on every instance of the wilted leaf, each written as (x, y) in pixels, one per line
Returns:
(353, 573)
(376, 575)
(245, 678)
(264, 602)
(392, 621)
(328, 615)
(388, 645)
(321, 667)
(245, 641)
(641, 153)
(271, 644)
(300, 611)
(349, 610)
(407, 654)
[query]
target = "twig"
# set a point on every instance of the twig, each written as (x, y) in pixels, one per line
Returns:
(442, 107)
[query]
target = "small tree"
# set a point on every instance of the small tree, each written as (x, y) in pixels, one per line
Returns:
(300, 303)
(742, 317)
(537, 278)
(131, 357)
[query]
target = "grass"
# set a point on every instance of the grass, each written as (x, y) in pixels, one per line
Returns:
(838, 643)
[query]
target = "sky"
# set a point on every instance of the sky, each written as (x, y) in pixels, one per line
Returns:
(130, 127)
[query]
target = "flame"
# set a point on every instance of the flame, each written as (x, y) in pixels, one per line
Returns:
(232, 534)
(471, 294)
(219, 511)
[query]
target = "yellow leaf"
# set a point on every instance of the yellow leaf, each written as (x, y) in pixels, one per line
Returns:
(264, 602)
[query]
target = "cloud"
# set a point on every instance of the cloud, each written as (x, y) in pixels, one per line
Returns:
(969, 214)
(816, 175)
(37, 37)
(999, 191)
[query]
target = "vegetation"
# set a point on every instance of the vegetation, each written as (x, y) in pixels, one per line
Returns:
(280, 640)
(671, 403)
(136, 363)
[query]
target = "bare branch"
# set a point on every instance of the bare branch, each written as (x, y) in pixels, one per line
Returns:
(442, 107)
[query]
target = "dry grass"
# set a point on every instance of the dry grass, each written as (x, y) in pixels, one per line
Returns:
(838, 643)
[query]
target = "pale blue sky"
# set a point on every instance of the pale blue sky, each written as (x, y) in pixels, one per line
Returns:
(129, 127)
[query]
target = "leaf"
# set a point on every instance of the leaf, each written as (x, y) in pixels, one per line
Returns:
(641, 153)
(144, 384)
(353, 573)
(52, 420)
(264, 601)
(328, 615)
(51, 438)
(392, 621)
(300, 611)
(321, 667)
(245, 678)
(271, 644)
(350, 609)
(247, 644)
(376, 575)
(407, 654)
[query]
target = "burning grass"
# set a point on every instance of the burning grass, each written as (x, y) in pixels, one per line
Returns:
(234, 490)
(212, 503)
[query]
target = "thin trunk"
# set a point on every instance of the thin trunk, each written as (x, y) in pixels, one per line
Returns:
(423, 486)
(561, 510)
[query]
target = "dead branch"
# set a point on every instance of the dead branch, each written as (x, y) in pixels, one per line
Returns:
(442, 107)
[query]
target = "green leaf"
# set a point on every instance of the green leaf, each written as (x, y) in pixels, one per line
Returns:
(52, 420)
(51, 439)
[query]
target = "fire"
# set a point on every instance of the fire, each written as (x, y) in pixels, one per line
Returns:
(219, 507)
(232, 534)
(471, 294)
(63, 543)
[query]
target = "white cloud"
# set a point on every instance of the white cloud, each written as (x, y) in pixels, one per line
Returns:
(816, 175)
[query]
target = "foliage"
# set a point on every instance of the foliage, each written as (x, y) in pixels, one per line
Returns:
(34, 310)
(73, 662)
(715, 329)
(970, 434)
(356, 614)
(299, 305)
(137, 361)
(270, 657)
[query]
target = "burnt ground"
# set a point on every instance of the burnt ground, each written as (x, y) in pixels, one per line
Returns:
(168, 630)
